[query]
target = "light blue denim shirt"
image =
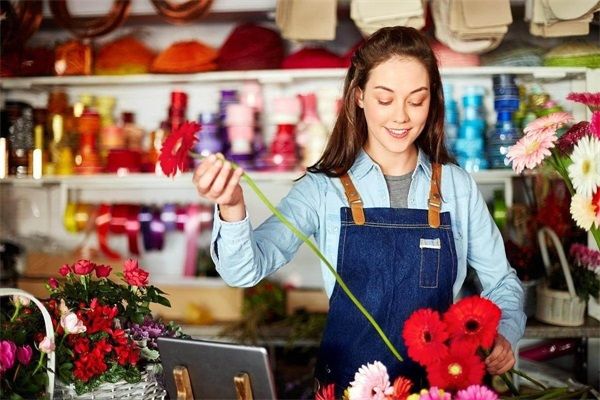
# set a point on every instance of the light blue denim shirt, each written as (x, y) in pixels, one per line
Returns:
(244, 256)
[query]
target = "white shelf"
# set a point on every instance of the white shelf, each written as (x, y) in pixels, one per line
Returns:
(183, 181)
(135, 181)
(265, 76)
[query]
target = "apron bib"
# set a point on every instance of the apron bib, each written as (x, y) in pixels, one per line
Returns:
(395, 261)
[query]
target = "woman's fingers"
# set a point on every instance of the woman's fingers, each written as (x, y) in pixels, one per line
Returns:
(228, 194)
(206, 180)
(216, 180)
(221, 180)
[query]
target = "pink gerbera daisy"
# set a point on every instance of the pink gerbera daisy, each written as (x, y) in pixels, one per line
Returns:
(592, 100)
(531, 150)
(370, 382)
(476, 392)
(595, 124)
(547, 124)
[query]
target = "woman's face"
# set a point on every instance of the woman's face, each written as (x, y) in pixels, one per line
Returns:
(396, 104)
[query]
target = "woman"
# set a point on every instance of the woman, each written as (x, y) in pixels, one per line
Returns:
(387, 204)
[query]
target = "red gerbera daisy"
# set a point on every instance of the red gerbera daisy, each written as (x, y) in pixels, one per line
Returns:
(424, 334)
(326, 392)
(473, 322)
(174, 151)
(592, 100)
(458, 370)
(567, 141)
(402, 387)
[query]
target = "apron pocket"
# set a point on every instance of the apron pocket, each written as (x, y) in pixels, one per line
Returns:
(430, 262)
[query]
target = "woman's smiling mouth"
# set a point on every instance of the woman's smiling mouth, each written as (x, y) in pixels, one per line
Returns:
(398, 133)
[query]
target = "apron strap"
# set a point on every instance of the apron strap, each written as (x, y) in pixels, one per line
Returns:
(435, 199)
(356, 204)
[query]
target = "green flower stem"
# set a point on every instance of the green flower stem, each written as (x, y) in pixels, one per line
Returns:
(530, 379)
(84, 283)
(509, 384)
(17, 309)
(16, 372)
(596, 235)
(557, 163)
(315, 250)
(39, 364)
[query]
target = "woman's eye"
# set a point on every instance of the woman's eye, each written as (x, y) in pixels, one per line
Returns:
(384, 103)
(416, 104)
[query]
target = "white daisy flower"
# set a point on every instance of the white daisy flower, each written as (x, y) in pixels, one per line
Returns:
(585, 170)
(583, 211)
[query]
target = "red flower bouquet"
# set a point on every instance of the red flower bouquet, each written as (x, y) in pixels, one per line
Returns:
(104, 331)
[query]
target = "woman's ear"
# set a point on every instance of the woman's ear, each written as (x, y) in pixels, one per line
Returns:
(359, 97)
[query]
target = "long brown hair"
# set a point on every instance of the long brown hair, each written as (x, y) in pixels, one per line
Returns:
(350, 131)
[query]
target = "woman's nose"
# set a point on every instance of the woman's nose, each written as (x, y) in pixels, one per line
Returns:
(401, 116)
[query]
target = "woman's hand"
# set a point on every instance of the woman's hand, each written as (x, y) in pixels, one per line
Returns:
(216, 180)
(501, 358)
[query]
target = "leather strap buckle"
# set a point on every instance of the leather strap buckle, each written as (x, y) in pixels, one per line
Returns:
(354, 200)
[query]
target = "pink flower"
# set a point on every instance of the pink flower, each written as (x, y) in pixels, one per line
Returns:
(47, 345)
(53, 283)
(530, 151)
(71, 324)
(21, 300)
(24, 354)
(370, 382)
(64, 270)
(83, 267)
(476, 392)
(585, 256)
(8, 352)
(103, 271)
(592, 100)
(595, 124)
(133, 274)
(547, 124)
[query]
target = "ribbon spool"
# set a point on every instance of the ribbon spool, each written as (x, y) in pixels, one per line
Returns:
(21, 21)
(180, 13)
(102, 228)
(86, 27)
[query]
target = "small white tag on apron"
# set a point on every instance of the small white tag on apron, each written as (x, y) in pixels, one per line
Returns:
(430, 244)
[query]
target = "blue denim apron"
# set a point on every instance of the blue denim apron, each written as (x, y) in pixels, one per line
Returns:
(394, 262)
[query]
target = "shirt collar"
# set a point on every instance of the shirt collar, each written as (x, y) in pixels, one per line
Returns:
(364, 164)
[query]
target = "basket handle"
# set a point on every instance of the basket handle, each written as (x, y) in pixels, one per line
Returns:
(561, 256)
(49, 331)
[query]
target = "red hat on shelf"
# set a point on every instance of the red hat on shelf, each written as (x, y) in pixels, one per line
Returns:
(249, 47)
(313, 58)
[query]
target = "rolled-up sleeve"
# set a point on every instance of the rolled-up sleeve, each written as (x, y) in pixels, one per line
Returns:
(243, 255)
(486, 254)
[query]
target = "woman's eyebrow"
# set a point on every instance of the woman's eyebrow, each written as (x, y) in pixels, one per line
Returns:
(390, 90)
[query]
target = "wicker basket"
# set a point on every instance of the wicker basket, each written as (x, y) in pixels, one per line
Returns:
(146, 389)
(49, 332)
(557, 307)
